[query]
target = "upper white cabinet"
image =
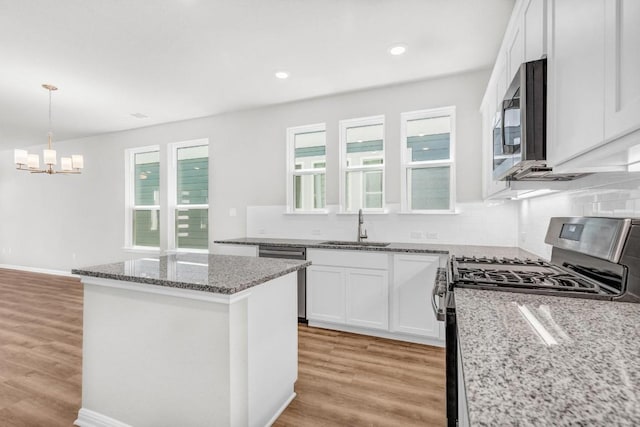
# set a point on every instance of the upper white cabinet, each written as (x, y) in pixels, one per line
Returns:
(515, 53)
(575, 80)
(594, 84)
(534, 25)
(622, 67)
(525, 40)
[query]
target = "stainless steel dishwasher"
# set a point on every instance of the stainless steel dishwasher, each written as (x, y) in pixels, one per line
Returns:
(291, 252)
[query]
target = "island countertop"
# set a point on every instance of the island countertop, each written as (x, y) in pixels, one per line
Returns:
(427, 248)
(223, 274)
(587, 373)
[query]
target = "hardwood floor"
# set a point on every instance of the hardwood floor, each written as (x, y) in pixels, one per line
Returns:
(40, 349)
(355, 380)
(344, 379)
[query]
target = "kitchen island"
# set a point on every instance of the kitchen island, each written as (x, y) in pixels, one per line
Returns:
(534, 360)
(193, 340)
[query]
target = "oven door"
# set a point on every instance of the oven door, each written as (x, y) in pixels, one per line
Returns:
(444, 308)
(451, 341)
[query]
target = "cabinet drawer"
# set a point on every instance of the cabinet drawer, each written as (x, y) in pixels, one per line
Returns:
(346, 258)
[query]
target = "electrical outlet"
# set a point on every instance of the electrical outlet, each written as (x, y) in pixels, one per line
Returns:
(316, 232)
(431, 236)
(415, 235)
(262, 231)
(233, 212)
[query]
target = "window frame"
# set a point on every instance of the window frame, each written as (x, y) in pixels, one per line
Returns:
(130, 198)
(407, 163)
(345, 167)
(172, 194)
(293, 172)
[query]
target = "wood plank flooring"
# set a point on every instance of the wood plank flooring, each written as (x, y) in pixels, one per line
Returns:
(356, 380)
(344, 379)
(40, 349)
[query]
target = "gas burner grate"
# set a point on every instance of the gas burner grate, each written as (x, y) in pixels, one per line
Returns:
(525, 279)
(496, 260)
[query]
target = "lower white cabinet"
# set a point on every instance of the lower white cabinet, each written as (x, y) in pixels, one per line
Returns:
(413, 281)
(367, 298)
(382, 294)
(351, 296)
(326, 293)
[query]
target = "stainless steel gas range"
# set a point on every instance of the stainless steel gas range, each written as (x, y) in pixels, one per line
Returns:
(592, 257)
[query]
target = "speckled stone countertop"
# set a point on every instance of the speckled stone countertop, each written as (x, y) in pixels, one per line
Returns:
(468, 250)
(590, 376)
(223, 274)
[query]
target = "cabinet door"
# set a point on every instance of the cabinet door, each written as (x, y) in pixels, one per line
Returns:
(413, 281)
(535, 43)
(367, 298)
(575, 78)
(622, 67)
(326, 294)
(515, 49)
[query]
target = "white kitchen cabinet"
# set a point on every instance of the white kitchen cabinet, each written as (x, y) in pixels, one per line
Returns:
(348, 287)
(326, 294)
(575, 78)
(515, 53)
(413, 281)
(367, 298)
(622, 67)
(534, 29)
(374, 293)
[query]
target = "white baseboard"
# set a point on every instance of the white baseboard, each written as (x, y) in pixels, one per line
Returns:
(89, 418)
(38, 270)
(281, 410)
(380, 334)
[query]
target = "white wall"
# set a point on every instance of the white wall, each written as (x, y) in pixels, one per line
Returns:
(60, 222)
(613, 200)
(490, 223)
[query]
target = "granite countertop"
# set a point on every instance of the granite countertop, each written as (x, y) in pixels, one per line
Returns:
(587, 374)
(223, 274)
(468, 250)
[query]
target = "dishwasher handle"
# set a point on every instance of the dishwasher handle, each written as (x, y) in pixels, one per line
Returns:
(277, 253)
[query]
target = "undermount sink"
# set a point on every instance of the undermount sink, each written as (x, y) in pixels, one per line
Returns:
(347, 243)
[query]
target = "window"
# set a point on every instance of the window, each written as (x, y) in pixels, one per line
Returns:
(183, 196)
(306, 164)
(143, 205)
(428, 172)
(362, 164)
(189, 195)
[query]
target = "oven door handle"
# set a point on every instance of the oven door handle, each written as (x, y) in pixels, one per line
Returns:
(438, 291)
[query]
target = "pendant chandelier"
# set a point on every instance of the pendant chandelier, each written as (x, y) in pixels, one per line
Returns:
(31, 162)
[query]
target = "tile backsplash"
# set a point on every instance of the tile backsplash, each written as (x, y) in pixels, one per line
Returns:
(614, 200)
(490, 223)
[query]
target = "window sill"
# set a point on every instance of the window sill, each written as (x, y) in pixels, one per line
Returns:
(318, 212)
(434, 212)
(380, 212)
(141, 250)
(186, 251)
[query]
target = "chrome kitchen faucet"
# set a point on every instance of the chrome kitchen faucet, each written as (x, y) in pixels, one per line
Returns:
(362, 232)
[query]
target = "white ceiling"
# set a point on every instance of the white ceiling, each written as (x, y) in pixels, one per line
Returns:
(179, 59)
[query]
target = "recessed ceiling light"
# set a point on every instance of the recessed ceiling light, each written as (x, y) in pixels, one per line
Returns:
(282, 75)
(398, 49)
(139, 116)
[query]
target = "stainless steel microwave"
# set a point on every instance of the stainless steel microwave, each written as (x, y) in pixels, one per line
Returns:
(520, 133)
